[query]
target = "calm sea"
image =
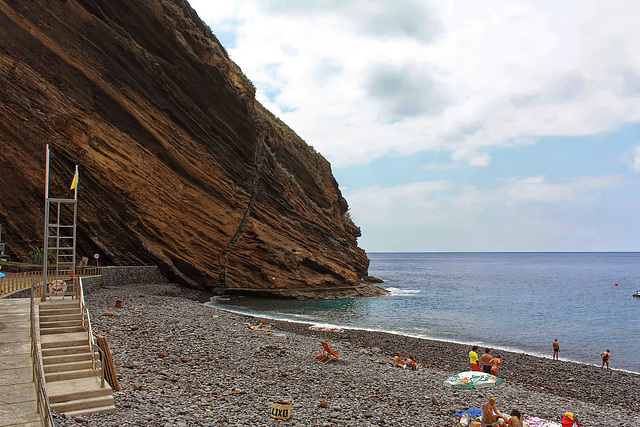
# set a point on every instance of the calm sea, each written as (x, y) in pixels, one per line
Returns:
(512, 301)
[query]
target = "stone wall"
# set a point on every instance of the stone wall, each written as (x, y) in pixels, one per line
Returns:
(118, 276)
(122, 276)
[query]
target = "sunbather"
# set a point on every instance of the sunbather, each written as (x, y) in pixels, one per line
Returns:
(516, 419)
(491, 415)
(397, 360)
(410, 363)
(260, 327)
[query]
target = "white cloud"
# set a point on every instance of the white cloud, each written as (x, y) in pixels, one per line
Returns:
(505, 70)
(521, 214)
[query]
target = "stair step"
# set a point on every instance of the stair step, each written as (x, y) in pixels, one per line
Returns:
(78, 388)
(66, 351)
(83, 406)
(65, 357)
(60, 324)
(68, 366)
(51, 305)
(56, 302)
(61, 330)
(102, 410)
(64, 340)
(58, 311)
(68, 375)
(60, 317)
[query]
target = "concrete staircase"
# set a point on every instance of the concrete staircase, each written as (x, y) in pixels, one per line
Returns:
(73, 386)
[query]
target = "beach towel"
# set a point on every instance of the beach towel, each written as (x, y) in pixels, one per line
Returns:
(540, 422)
(474, 412)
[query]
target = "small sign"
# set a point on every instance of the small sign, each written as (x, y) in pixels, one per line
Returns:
(96, 256)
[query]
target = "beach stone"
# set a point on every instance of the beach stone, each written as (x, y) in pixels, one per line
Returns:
(227, 383)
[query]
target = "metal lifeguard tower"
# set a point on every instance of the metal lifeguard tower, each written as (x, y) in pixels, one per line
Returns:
(60, 217)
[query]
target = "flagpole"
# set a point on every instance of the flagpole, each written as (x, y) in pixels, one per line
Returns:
(75, 225)
(45, 250)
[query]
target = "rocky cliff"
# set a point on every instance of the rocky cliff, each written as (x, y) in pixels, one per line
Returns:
(180, 166)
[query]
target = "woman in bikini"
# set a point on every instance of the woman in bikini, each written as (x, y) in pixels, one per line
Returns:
(495, 362)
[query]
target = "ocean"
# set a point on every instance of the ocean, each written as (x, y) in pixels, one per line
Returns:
(511, 301)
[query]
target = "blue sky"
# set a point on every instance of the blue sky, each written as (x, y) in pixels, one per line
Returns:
(458, 126)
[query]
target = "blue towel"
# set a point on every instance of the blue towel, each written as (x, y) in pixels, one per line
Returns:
(474, 412)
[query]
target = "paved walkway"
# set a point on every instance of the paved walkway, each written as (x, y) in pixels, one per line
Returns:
(18, 404)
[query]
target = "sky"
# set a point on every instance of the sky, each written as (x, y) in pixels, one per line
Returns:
(497, 125)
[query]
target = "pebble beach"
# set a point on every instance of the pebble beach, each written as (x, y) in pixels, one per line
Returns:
(181, 363)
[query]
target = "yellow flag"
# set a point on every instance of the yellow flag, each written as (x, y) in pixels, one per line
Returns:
(74, 182)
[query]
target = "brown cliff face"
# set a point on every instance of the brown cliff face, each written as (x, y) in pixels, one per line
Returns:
(179, 165)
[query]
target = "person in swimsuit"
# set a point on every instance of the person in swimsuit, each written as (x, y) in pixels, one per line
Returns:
(516, 418)
(556, 348)
(260, 327)
(605, 359)
(495, 362)
(486, 361)
(397, 360)
(490, 414)
(410, 363)
(473, 358)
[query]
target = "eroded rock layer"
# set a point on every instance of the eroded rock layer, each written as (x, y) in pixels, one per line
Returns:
(179, 165)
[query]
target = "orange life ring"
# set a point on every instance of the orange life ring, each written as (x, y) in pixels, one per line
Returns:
(57, 286)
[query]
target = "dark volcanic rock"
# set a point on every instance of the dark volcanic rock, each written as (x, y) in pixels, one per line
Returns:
(179, 165)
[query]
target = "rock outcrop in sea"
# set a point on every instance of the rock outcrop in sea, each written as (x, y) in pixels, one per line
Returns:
(180, 166)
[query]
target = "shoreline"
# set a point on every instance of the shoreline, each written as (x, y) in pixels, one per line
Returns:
(481, 345)
(181, 363)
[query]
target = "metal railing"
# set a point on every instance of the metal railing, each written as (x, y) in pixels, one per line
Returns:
(15, 282)
(96, 359)
(44, 407)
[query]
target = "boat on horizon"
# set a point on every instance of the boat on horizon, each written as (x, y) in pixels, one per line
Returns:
(637, 294)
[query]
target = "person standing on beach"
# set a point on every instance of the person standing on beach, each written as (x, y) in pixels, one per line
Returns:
(605, 359)
(495, 362)
(486, 361)
(556, 348)
(473, 358)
